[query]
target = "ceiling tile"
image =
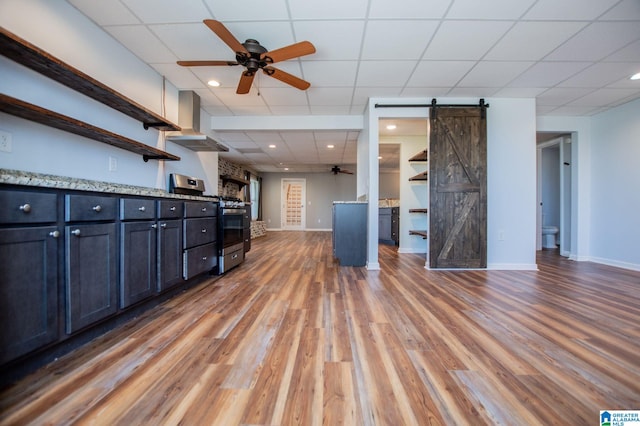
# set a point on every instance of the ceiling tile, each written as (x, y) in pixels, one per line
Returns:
(404, 39)
(597, 41)
(265, 137)
(333, 40)
(601, 74)
(547, 36)
(330, 73)
(115, 14)
(290, 110)
(629, 53)
(362, 94)
(328, 9)
(330, 109)
(240, 144)
(465, 40)
(179, 76)
(439, 73)
(248, 10)
(474, 92)
(569, 9)
(161, 11)
(493, 74)
(408, 9)
(625, 10)
(519, 92)
(192, 42)
(548, 74)
(488, 9)
(561, 96)
(330, 96)
(384, 73)
(603, 96)
(279, 96)
(142, 42)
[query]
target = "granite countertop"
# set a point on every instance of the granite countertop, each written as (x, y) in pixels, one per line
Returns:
(350, 202)
(20, 177)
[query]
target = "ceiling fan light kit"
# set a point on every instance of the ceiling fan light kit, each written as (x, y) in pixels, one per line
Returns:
(253, 56)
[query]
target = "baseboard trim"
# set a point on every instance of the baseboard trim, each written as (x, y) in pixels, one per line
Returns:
(512, 267)
(616, 263)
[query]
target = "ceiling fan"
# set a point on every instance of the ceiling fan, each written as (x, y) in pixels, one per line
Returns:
(336, 169)
(253, 56)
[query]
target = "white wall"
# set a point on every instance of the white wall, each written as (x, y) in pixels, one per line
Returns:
(615, 183)
(322, 190)
(42, 149)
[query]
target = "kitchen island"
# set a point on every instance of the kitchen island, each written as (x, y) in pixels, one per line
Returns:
(349, 229)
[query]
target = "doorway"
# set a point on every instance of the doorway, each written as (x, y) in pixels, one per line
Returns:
(554, 164)
(293, 195)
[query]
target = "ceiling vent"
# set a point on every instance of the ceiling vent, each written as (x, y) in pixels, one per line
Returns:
(189, 120)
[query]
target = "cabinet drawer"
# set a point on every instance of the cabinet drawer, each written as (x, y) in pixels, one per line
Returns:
(137, 208)
(169, 209)
(27, 207)
(199, 259)
(200, 209)
(90, 207)
(199, 231)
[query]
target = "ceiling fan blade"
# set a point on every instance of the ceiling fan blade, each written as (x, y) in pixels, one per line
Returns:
(225, 35)
(285, 77)
(245, 82)
(206, 63)
(288, 52)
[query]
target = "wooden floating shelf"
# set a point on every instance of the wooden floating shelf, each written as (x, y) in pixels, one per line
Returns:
(422, 234)
(420, 176)
(25, 53)
(421, 156)
(417, 210)
(50, 118)
(233, 179)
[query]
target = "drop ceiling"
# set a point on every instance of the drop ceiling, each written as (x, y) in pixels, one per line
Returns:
(574, 56)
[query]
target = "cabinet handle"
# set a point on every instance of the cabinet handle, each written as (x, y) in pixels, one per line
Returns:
(76, 232)
(204, 209)
(141, 208)
(154, 226)
(26, 207)
(204, 257)
(173, 209)
(97, 208)
(204, 230)
(163, 225)
(235, 256)
(54, 234)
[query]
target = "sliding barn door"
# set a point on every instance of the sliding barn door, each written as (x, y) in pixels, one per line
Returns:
(458, 188)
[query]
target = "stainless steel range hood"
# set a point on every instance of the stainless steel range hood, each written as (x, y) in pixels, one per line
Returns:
(189, 120)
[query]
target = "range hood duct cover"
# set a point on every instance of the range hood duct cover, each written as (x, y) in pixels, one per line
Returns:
(189, 120)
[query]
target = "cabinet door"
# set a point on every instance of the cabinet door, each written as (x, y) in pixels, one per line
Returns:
(169, 253)
(384, 227)
(91, 276)
(138, 257)
(28, 290)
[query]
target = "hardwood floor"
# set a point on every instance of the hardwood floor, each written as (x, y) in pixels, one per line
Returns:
(291, 338)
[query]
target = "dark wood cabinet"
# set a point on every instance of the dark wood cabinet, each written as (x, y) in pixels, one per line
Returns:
(246, 231)
(91, 273)
(28, 289)
(350, 233)
(388, 225)
(138, 250)
(169, 253)
(138, 261)
(200, 236)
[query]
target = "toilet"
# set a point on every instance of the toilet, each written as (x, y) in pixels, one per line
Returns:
(549, 236)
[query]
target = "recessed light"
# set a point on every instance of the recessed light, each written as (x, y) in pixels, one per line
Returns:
(391, 127)
(272, 146)
(379, 157)
(286, 169)
(213, 83)
(635, 76)
(331, 146)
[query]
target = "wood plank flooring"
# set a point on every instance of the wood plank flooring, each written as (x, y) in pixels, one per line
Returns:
(290, 338)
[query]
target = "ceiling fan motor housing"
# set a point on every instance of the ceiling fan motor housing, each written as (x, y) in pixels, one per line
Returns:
(253, 61)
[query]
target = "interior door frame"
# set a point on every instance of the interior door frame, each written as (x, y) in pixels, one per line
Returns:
(283, 212)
